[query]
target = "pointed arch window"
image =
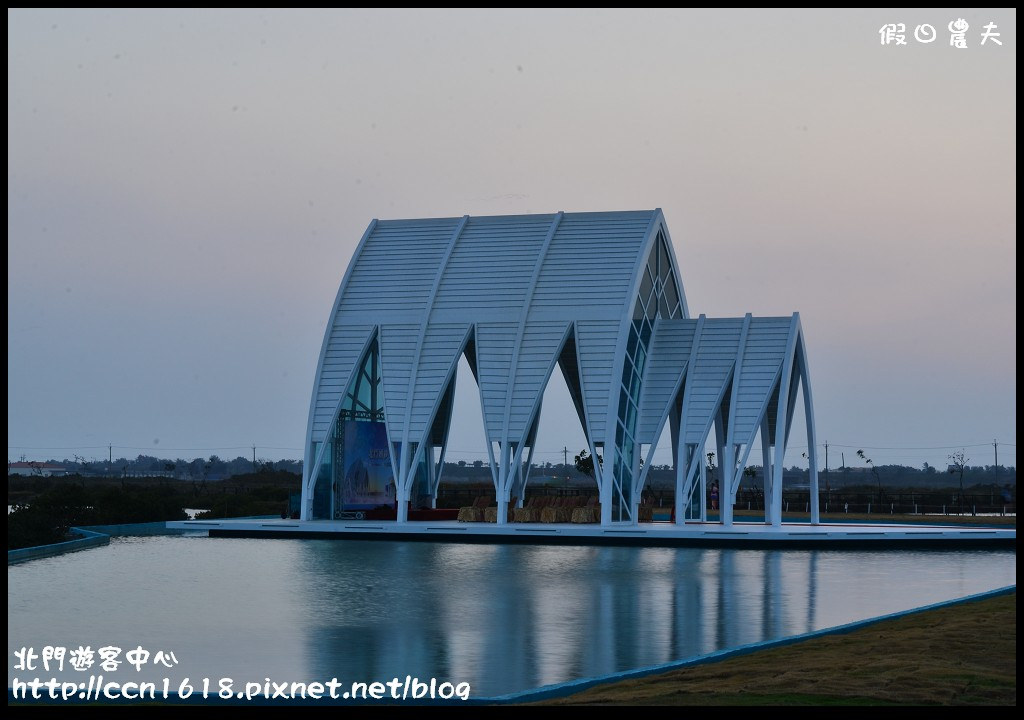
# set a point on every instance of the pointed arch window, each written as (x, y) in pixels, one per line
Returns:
(363, 403)
(657, 297)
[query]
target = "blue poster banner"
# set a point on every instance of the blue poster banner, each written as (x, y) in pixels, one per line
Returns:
(367, 480)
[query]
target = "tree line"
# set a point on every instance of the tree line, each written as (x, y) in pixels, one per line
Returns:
(211, 468)
(214, 468)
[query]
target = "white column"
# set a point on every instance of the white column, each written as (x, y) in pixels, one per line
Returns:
(783, 417)
(777, 470)
(812, 434)
(766, 467)
(682, 468)
(703, 489)
(604, 482)
(505, 479)
(725, 485)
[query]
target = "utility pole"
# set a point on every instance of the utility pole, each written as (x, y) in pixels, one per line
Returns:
(995, 448)
(828, 489)
(565, 455)
(110, 454)
(254, 459)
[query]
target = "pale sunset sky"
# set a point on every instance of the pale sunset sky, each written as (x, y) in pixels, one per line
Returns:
(186, 188)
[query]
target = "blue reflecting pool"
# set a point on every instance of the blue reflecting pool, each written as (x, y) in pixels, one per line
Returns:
(500, 617)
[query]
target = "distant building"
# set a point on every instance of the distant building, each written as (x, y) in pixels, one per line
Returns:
(597, 294)
(39, 469)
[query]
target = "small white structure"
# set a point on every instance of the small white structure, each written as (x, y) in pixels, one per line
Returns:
(598, 294)
(39, 469)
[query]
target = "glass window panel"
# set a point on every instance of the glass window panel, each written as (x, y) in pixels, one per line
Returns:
(627, 458)
(626, 491)
(623, 402)
(640, 359)
(645, 333)
(634, 387)
(618, 435)
(646, 283)
(652, 307)
(633, 337)
(364, 393)
(623, 475)
(671, 293)
(379, 404)
(695, 501)
(363, 399)
(322, 498)
(638, 310)
(630, 415)
(666, 264)
(322, 485)
(663, 306)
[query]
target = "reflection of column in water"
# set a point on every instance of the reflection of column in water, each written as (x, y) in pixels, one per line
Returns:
(652, 589)
(411, 640)
(508, 660)
(363, 630)
(771, 611)
(725, 618)
(812, 589)
(559, 583)
(598, 646)
(489, 616)
(687, 621)
(464, 617)
(628, 620)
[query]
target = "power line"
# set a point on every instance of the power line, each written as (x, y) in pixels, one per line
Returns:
(936, 447)
(147, 447)
(57, 447)
(156, 448)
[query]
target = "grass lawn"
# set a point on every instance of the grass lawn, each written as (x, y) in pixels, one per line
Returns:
(960, 655)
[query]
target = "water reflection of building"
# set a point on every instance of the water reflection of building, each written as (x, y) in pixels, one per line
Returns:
(508, 617)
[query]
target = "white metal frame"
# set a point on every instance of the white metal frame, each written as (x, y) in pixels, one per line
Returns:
(506, 453)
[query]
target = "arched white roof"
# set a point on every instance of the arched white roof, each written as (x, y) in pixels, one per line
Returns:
(517, 286)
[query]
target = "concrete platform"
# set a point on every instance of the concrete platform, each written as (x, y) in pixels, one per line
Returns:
(740, 535)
